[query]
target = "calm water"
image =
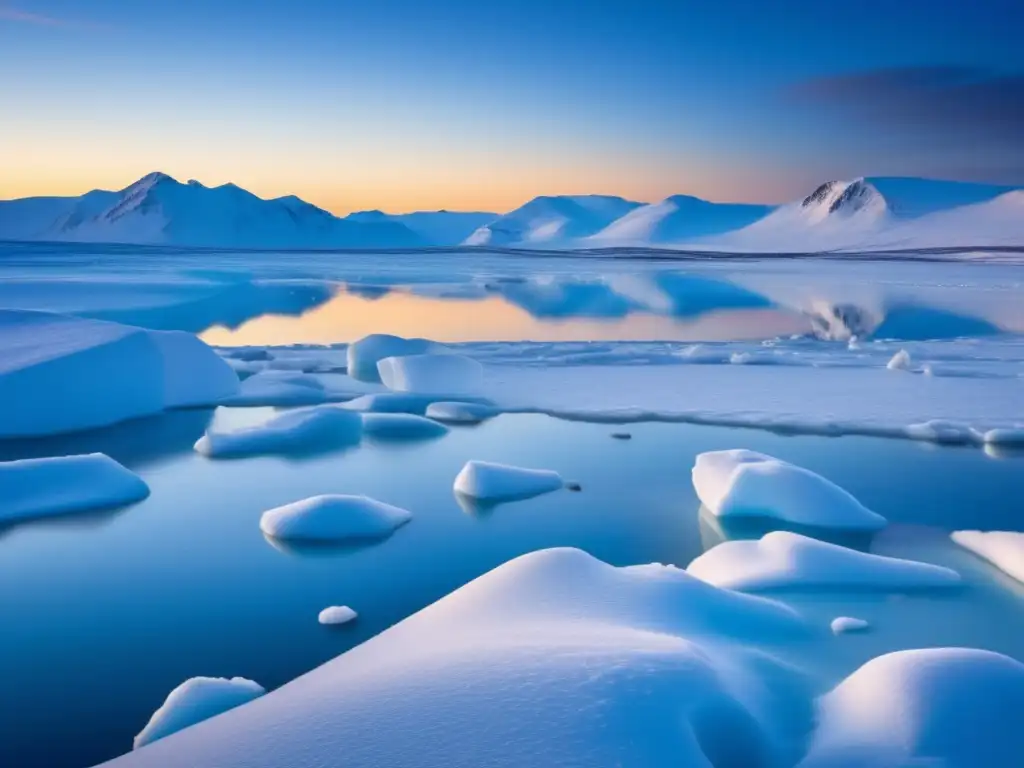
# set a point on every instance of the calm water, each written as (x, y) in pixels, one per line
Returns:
(105, 614)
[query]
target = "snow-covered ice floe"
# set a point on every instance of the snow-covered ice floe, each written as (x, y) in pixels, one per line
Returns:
(333, 518)
(457, 412)
(437, 374)
(195, 700)
(337, 614)
(60, 373)
(949, 707)
(401, 426)
(364, 355)
(551, 659)
(491, 482)
(782, 559)
(745, 484)
(842, 625)
(298, 432)
(59, 485)
(1004, 549)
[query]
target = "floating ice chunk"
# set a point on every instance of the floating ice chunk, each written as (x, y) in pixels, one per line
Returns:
(401, 426)
(279, 388)
(741, 483)
(942, 431)
(60, 485)
(333, 518)
(782, 559)
(307, 430)
(452, 412)
(845, 624)
(195, 700)
(442, 374)
(1009, 437)
(900, 361)
(1004, 549)
(363, 355)
(487, 481)
(551, 659)
(337, 614)
(391, 402)
(194, 374)
(954, 707)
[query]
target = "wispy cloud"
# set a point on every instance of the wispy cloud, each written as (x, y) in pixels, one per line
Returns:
(21, 16)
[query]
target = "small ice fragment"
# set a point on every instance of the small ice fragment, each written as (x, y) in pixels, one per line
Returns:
(453, 412)
(489, 481)
(441, 374)
(845, 624)
(195, 700)
(363, 355)
(333, 518)
(900, 361)
(337, 614)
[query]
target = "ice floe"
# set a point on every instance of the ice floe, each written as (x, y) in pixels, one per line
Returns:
(59, 485)
(745, 484)
(333, 518)
(363, 355)
(279, 388)
(305, 430)
(900, 361)
(337, 614)
(435, 374)
(401, 426)
(949, 707)
(195, 700)
(842, 625)
(456, 412)
(61, 374)
(391, 402)
(782, 559)
(492, 482)
(1004, 549)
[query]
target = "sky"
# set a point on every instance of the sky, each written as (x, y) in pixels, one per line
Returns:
(405, 105)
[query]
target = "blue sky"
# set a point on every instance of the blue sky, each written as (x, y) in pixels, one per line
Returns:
(404, 104)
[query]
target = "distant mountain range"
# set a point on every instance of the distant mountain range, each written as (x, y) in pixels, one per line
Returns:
(859, 214)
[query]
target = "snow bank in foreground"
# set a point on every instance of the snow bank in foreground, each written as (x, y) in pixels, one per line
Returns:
(842, 625)
(401, 426)
(337, 614)
(32, 488)
(782, 559)
(440, 374)
(453, 412)
(1004, 549)
(333, 518)
(195, 700)
(949, 707)
(741, 483)
(308, 430)
(552, 659)
(61, 374)
(363, 355)
(488, 481)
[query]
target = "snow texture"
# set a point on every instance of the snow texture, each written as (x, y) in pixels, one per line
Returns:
(433, 374)
(949, 707)
(333, 518)
(298, 432)
(31, 488)
(1004, 549)
(842, 625)
(782, 559)
(488, 481)
(195, 700)
(401, 426)
(363, 355)
(337, 614)
(454, 412)
(745, 484)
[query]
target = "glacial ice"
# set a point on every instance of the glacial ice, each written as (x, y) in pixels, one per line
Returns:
(401, 426)
(59, 485)
(842, 625)
(949, 707)
(489, 481)
(195, 700)
(363, 355)
(782, 559)
(302, 431)
(333, 518)
(1003, 549)
(741, 483)
(337, 614)
(434, 374)
(454, 412)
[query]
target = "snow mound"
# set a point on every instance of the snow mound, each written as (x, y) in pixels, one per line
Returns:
(842, 625)
(782, 559)
(60, 485)
(741, 483)
(949, 707)
(61, 374)
(1004, 549)
(487, 481)
(453, 412)
(337, 614)
(306, 430)
(363, 355)
(333, 518)
(440, 374)
(195, 700)
(552, 659)
(401, 426)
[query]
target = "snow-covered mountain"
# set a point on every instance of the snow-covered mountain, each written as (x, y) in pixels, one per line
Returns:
(553, 221)
(677, 219)
(439, 228)
(157, 209)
